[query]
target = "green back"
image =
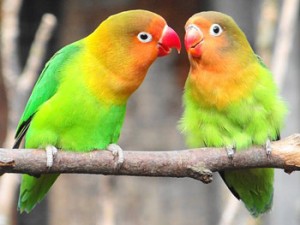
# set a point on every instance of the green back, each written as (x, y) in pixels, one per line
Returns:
(62, 112)
(45, 87)
(33, 189)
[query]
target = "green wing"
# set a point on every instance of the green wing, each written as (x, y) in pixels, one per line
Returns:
(45, 87)
(261, 62)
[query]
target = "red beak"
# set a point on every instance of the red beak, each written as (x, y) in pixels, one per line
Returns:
(193, 40)
(168, 40)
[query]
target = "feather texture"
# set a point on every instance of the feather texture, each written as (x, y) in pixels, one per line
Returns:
(230, 99)
(79, 100)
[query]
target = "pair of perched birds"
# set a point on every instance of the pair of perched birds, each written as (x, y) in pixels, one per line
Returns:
(230, 98)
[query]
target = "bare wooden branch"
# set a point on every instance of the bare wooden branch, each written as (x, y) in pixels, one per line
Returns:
(284, 41)
(37, 53)
(18, 87)
(266, 29)
(192, 163)
(9, 33)
(19, 92)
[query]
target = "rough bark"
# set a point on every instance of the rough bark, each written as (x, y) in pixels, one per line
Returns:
(192, 163)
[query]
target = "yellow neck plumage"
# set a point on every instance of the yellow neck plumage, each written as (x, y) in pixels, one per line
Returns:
(223, 83)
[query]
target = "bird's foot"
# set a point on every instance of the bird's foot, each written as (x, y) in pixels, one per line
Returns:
(230, 151)
(117, 152)
(268, 147)
(50, 153)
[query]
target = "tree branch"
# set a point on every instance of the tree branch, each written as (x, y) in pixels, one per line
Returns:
(192, 163)
(18, 87)
(284, 43)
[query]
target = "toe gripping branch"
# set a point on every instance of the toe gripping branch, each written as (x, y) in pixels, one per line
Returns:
(50, 154)
(117, 152)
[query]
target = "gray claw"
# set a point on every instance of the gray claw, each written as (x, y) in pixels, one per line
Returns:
(230, 151)
(268, 147)
(117, 152)
(50, 153)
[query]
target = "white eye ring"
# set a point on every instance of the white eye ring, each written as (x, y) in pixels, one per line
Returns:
(215, 30)
(144, 37)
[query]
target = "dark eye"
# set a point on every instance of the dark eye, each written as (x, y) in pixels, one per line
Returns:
(144, 37)
(215, 30)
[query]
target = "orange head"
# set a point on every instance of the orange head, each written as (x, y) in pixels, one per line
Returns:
(133, 38)
(212, 36)
(221, 59)
(123, 47)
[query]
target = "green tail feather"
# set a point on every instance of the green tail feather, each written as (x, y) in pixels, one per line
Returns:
(33, 190)
(254, 187)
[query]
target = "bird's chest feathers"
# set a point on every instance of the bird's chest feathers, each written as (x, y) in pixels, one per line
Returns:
(217, 88)
(112, 85)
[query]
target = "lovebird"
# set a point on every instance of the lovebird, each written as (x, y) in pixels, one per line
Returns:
(79, 100)
(230, 100)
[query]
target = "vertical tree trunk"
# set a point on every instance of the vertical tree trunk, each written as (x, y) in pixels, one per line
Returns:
(3, 102)
(3, 110)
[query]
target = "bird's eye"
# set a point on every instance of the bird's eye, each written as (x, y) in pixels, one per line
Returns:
(215, 30)
(144, 37)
